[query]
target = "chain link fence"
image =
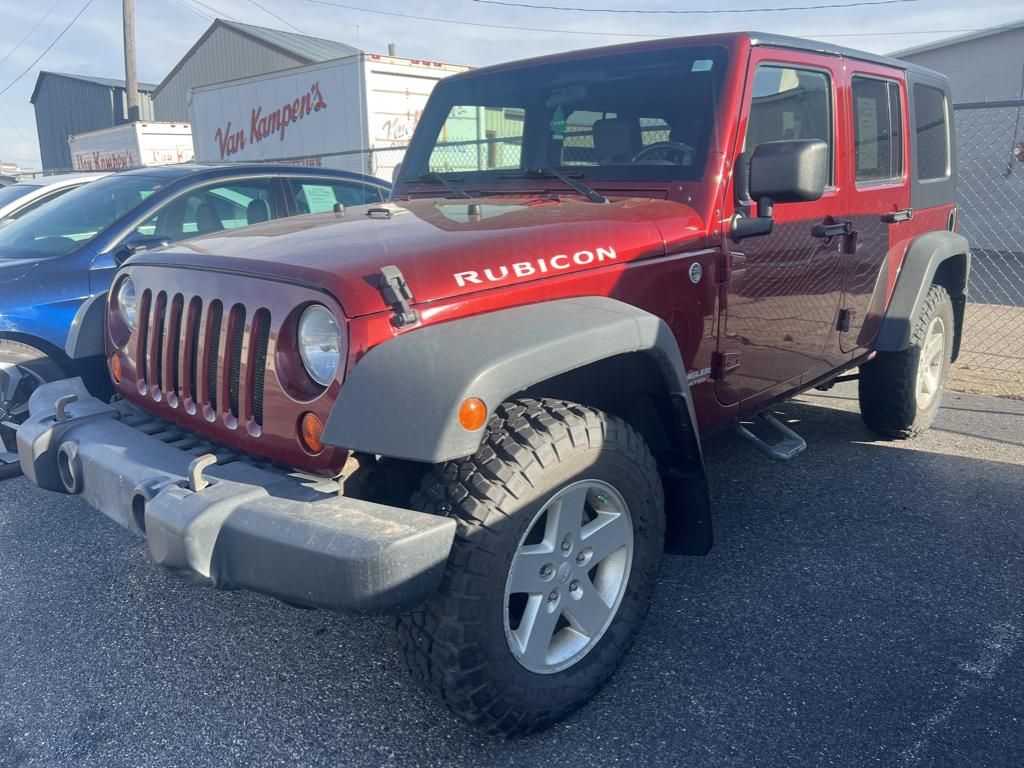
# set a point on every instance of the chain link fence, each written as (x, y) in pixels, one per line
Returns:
(990, 195)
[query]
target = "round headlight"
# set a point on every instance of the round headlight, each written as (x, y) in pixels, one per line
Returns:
(127, 302)
(320, 343)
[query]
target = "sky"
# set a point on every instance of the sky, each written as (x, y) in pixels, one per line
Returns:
(166, 29)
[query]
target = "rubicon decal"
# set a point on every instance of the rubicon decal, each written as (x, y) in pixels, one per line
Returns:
(521, 270)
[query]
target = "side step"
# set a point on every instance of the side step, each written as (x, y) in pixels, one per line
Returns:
(785, 449)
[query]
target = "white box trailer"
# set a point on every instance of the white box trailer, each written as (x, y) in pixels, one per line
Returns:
(321, 115)
(132, 145)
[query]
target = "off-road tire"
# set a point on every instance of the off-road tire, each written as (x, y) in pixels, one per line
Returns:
(455, 646)
(888, 384)
(35, 361)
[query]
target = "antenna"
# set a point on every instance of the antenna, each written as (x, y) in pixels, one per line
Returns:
(363, 140)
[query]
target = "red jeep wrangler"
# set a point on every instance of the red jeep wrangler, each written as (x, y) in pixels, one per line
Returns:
(480, 407)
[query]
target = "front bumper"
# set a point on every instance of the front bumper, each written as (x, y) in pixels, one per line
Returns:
(252, 527)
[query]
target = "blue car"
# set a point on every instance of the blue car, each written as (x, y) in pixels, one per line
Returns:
(57, 262)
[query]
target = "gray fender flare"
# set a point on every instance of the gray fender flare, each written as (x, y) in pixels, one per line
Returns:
(922, 261)
(85, 338)
(402, 398)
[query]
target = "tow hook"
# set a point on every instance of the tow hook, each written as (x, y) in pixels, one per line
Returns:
(196, 481)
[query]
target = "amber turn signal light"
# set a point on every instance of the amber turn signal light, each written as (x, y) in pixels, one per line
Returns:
(472, 414)
(311, 432)
(115, 368)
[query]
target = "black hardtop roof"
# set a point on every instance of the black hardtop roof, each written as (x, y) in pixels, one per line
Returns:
(760, 39)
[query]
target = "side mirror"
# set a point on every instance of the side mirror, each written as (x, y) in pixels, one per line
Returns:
(794, 171)
(395, 171)
(136, 242)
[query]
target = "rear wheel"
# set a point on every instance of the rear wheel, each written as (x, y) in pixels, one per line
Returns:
(560, 532)
(900, 392)
(22, 370)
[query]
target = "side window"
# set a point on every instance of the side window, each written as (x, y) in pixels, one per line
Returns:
(320, 195)
(790, 103)
(213, 209)
(932, 157)
(877, 129)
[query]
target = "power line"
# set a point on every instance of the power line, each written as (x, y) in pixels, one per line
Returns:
(190, 9)
(27, 36)
(602, 34)
(693, 11)
(47, 49)
(271, 13)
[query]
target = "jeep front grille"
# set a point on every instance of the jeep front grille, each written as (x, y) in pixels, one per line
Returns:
(202, 359)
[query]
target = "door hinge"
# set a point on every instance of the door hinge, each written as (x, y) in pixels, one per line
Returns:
(397, 295)
(845, 320)
(723, 363)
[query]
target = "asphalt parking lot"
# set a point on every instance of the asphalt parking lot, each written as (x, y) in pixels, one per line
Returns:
(863, 606)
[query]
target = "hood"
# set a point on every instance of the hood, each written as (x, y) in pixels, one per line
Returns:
(444, 248)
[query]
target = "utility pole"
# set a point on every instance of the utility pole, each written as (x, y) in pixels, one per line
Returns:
(131, 77)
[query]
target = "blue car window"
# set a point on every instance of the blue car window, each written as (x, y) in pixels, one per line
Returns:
(75, 218)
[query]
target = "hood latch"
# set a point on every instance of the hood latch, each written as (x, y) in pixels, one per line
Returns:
(396, 294)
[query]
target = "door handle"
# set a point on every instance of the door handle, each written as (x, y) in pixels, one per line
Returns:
(891, 217)
(833, 229)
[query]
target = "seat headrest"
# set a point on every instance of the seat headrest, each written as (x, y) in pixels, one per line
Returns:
(617, 139)
(257, 211)
(207, 219)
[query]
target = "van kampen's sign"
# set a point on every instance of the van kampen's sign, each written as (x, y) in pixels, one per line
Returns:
(264, 124)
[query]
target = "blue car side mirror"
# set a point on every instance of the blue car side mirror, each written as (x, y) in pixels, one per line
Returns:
(138, 242)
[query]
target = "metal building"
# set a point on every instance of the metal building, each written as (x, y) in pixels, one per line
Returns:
(229, 51)
(981, 66)
(70, 104)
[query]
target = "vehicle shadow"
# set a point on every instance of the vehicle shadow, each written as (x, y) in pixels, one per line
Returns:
(863, 604)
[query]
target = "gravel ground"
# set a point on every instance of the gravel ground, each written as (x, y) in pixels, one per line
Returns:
(863, 606)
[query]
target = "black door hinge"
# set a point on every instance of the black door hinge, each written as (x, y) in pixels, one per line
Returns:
(396, 294)
(844, 320)
(723, 363)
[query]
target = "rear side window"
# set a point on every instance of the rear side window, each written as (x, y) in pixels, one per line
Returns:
(877, 129)
(320, 195)
(932, 133)
(790, 103)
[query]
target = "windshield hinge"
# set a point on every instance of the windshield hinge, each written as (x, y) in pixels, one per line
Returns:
(396, 294)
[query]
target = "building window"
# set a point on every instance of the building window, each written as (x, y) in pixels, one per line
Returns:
(932, 133)
(877, 129)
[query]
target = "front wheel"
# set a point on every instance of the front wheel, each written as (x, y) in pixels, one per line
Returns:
(22, 370)
(560, 532)
(900, 392)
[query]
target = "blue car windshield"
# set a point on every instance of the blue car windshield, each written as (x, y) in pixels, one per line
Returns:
(76, 218)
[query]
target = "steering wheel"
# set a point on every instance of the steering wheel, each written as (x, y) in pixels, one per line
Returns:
(674, 152)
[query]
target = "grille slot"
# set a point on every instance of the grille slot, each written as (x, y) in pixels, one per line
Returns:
(235, 370)
(174, 342)
(216, 314)
(195, 312)
(142, 323)
(159, 318)
(261, 330)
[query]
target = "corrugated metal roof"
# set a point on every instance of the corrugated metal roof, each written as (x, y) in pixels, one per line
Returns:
(947, 41)
(313, 49)
(104, 81)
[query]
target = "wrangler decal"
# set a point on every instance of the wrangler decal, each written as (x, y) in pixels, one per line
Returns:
(524, 269)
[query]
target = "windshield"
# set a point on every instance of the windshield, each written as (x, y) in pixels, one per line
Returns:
(634, 116)
(75, 218)
(15, 191)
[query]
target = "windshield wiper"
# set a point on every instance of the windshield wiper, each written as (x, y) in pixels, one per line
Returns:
(551, 173)
(429, 176)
